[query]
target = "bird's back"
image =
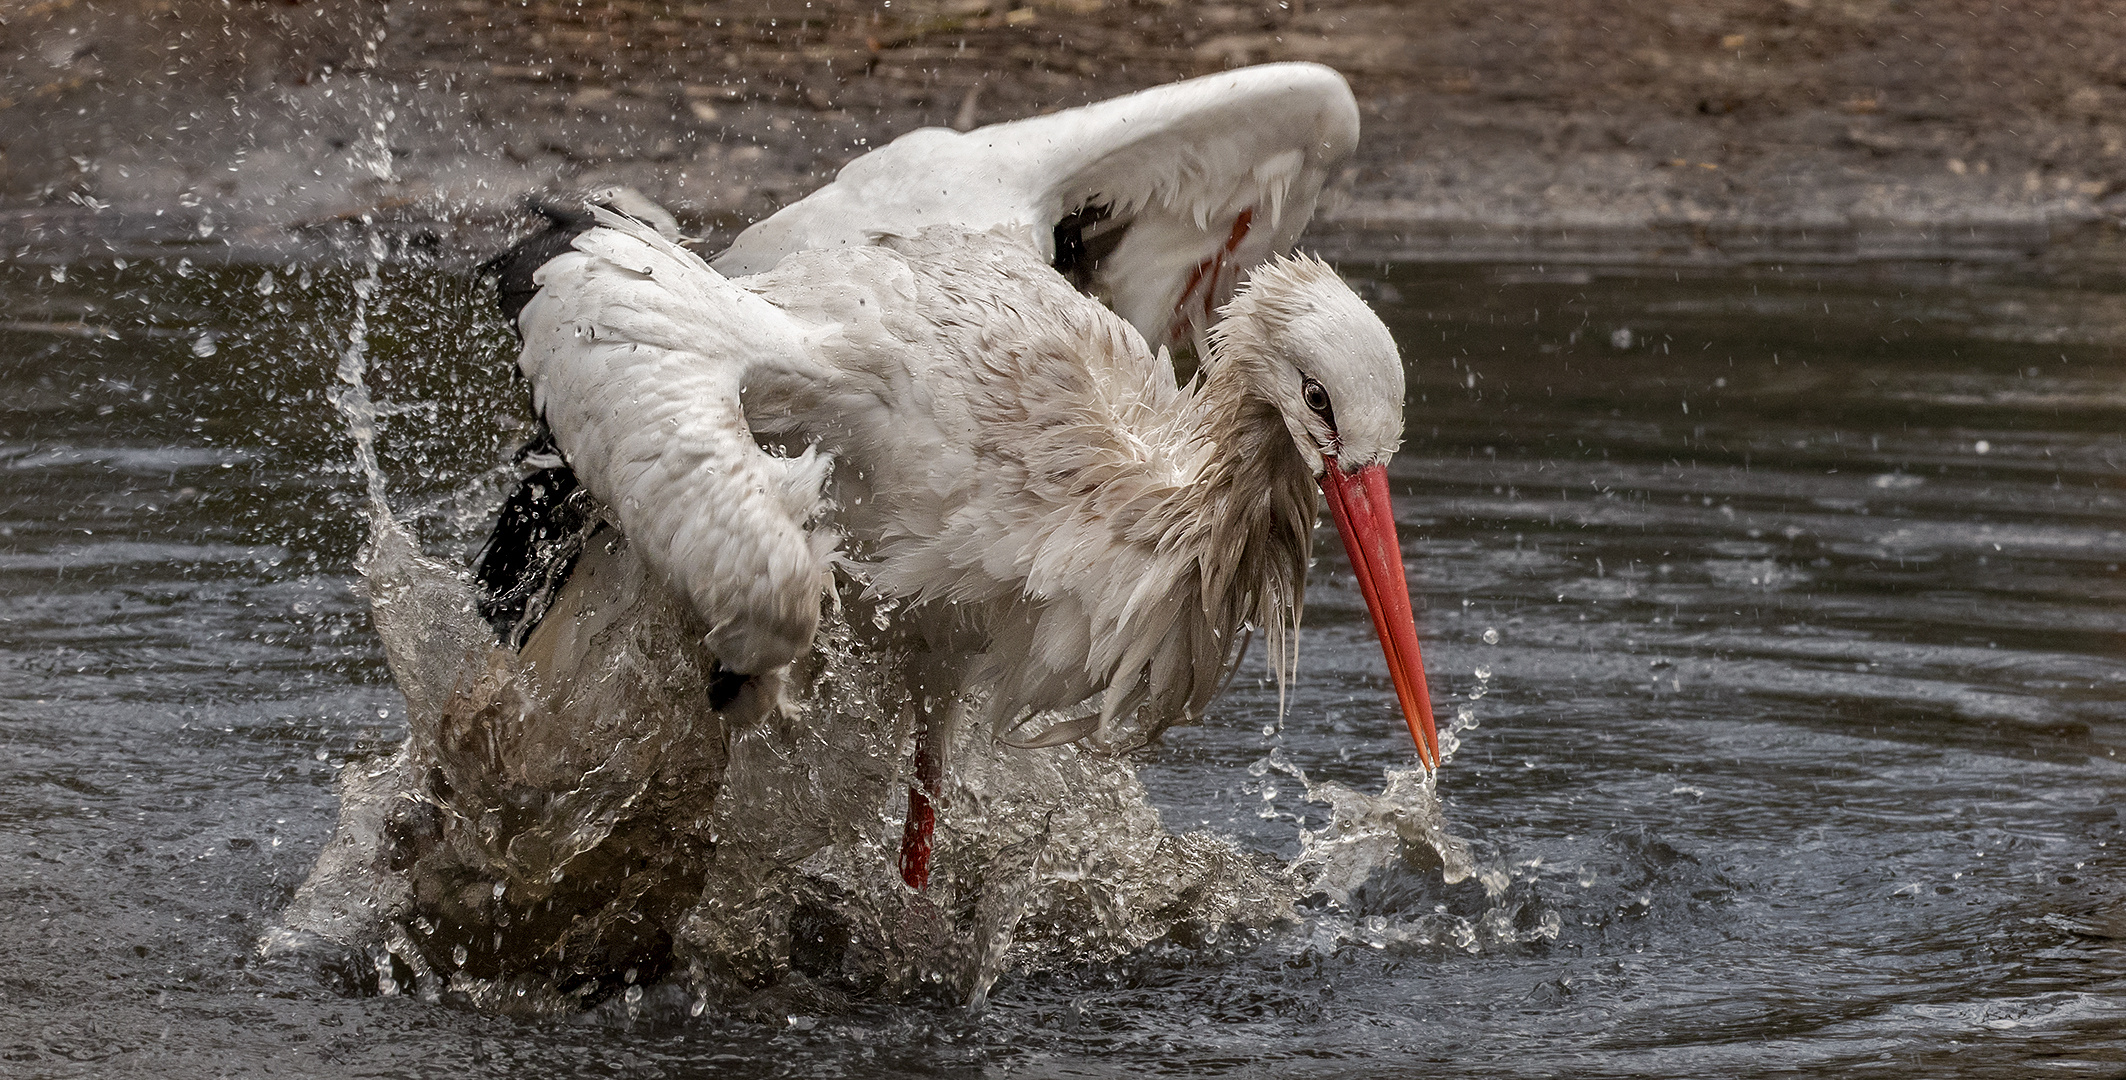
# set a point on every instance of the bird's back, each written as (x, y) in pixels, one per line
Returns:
(1009, 455)
(979, 405)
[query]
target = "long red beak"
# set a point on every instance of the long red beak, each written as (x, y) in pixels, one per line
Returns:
(1366, 521)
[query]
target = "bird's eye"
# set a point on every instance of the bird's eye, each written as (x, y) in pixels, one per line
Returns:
(1315, 396)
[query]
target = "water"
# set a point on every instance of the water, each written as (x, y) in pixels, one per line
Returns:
(1797, 749)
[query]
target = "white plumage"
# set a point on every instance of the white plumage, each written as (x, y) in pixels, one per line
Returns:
(1198, 181)
(1079, 542)
(636, 355)
(1066, 526)
(894, 396)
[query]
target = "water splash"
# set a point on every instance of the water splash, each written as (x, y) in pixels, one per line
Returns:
(1386, 872)
(543, 833)
(351, 397)
(563, 818)
(523, 847)
(570, 821)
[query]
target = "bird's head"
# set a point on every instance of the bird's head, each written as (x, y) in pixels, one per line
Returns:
(1322, 358)
(1318, 355)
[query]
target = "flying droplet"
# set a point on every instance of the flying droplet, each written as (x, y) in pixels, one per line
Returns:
(1982, 446)
(1491, 636)
(633, 995)
(203, 345)
(1483, 672)
(458, 955)
(265, 284)
(58, 273)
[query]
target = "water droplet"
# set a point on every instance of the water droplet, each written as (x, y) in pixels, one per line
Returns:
(1550, 926)
(1982, 446)
(1491, 636)
(1620, 338)
(500, 888)
(58, 273)
(265, 284)
(458, 955)
(204, 345)
(633, 995)
(1483, 672)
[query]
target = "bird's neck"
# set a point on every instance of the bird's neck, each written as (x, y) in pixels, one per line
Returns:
(1260, 508)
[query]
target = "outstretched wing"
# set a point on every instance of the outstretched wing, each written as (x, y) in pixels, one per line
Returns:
(636, 352)
(1155, 202)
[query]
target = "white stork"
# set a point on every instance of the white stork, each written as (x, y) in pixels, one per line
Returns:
(1074, 536)
(895, 393)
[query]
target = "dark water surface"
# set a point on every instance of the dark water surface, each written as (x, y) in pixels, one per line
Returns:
(1788, 603)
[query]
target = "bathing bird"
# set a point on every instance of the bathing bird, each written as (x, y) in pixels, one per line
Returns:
(905, 393)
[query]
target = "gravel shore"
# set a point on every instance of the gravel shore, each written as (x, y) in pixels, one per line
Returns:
(1727, 130)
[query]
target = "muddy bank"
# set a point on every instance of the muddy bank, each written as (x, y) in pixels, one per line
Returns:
(1740, 129)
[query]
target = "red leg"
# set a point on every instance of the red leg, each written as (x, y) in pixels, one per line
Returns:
(922, 814)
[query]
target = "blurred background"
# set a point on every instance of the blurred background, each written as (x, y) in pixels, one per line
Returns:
(1613, 128)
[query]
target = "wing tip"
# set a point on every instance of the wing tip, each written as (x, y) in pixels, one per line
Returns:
(566, 215)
